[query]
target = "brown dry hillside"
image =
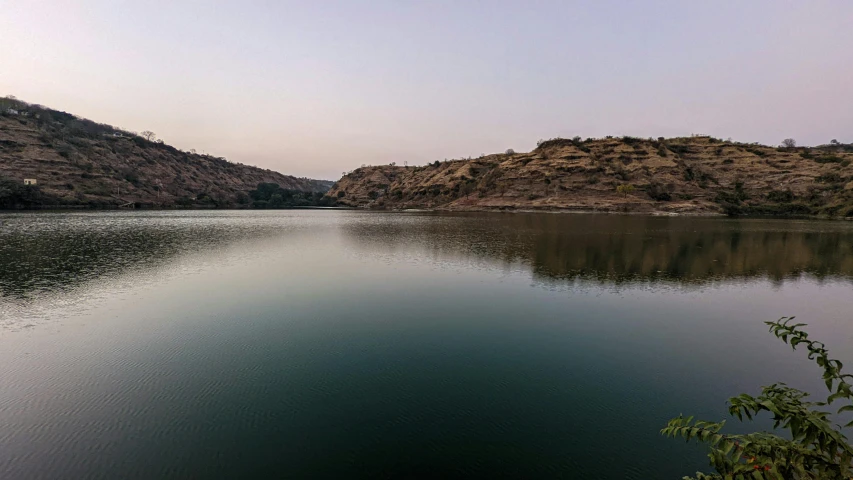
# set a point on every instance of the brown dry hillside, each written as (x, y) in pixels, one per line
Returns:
(79, 162)
(682, 175)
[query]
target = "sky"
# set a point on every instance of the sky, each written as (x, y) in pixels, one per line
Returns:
(318, 88)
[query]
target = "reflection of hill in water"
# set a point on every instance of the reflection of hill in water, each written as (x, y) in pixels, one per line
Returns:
(41, 254)
(618, 249)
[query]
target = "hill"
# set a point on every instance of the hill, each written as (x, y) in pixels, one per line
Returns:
(698, 175)
(79, 162)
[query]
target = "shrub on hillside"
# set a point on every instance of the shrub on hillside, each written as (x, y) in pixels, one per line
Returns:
(659, 192)
(828, 158)
(780, 195)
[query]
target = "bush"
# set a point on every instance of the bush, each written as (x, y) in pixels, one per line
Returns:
(829, 158)
(14, 194)
(132, 177)
(813, 449)
(659, 192)
(831, 177)
(780, 195)
(679, 149)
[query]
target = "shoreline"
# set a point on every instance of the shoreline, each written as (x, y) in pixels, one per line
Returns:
(558, 211)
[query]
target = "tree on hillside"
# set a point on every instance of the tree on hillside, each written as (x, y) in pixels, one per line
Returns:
(813, 449)
(148, 135)
(625, 189)
(789, 143)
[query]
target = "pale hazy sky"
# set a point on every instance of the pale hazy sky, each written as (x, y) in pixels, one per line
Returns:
(314, 88)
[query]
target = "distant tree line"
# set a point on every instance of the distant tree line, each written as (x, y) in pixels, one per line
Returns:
(271, 195)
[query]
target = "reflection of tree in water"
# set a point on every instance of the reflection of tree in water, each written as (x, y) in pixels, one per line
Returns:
(58, 255)
(619, 249)
(30, 264)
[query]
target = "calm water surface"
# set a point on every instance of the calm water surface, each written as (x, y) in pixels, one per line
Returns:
(333, 344)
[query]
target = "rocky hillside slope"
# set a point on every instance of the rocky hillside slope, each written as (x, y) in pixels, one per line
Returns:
(78, 162)
(698, 174)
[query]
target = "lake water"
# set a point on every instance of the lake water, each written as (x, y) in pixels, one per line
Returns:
(343, 344)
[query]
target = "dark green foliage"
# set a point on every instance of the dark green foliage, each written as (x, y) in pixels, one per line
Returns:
(755, 150)
(659, 192)
(829, 158)
(814, 448)
(732, 201)
(780, 195)
(132, 177)
(621, 173)
(679, 149)
(831, 177)
(271, 195)
(275, 201)
(14, 194)
(64, 151)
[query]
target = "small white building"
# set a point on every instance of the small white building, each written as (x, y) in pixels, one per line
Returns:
(11, 111)
(30, 181)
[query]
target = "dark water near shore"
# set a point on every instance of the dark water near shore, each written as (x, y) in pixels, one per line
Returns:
(339, 344)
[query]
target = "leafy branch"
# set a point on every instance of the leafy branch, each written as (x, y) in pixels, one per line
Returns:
(816, 449)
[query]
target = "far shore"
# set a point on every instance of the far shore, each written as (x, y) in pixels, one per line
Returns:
(654, 213)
